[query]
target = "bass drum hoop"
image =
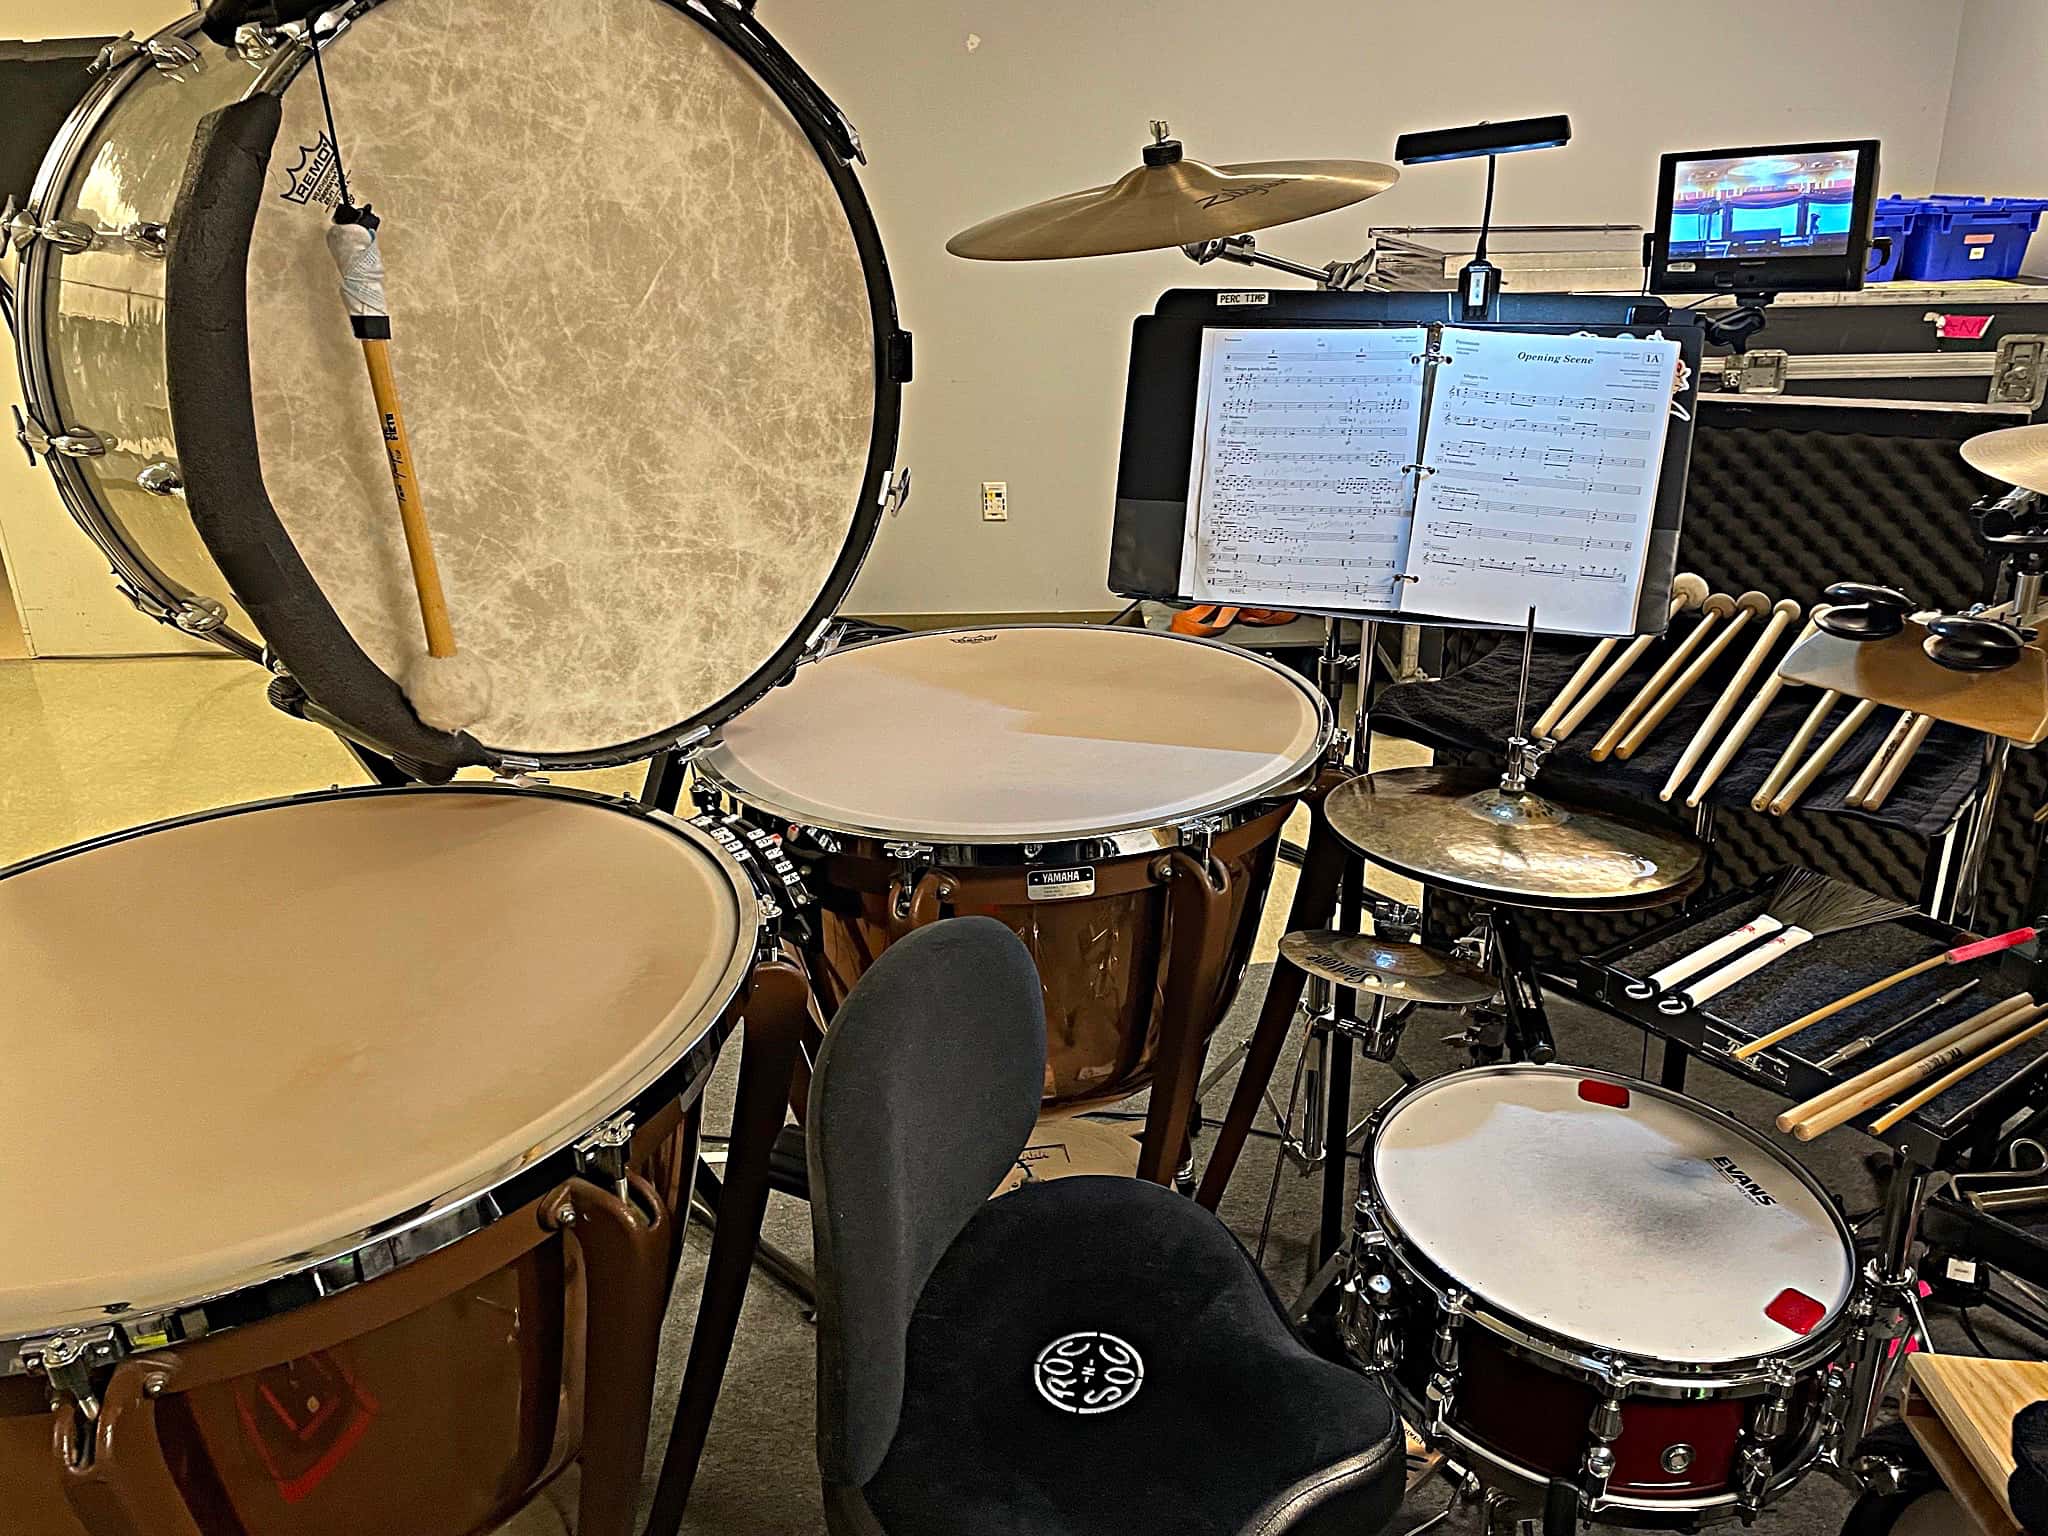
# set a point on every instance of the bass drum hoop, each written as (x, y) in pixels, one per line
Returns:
(146, 586)
(362, 1256)
(1646, 1375)
(1059, 846)
(801, 98)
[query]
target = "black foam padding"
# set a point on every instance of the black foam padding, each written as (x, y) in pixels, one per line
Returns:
(1233, 1411)
(1827, 968)
(925, 1091)
(206, 354)
(1474, 710)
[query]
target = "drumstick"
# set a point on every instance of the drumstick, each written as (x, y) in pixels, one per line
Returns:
(1948, 1080)
(1816, 765)
(1712, 612)
(1747, 607)
(1975, 949)
(1745, 727)
(1900, 760)
(1881, 758)
(1827, 1098)
(1787, 760)
(1923, 1064)
(448, 690)
(1781, 615)
(1687, 591)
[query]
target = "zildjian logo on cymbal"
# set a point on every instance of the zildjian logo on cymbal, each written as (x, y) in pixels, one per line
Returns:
(1232, 194)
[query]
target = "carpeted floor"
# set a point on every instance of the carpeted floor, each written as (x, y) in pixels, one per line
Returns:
(759, 1478)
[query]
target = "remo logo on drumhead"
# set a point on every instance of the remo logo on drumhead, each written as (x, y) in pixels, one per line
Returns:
(1088, 1373)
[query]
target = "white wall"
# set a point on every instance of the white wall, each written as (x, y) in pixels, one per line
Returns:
(1020, 367)
(1996, 139)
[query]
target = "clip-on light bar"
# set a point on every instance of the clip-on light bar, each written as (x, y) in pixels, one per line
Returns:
(1479, 279)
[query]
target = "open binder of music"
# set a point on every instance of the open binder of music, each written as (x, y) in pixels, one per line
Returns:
(1433, 472)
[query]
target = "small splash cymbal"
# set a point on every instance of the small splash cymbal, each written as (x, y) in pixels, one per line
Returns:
(1404, 972)
(1171, 200)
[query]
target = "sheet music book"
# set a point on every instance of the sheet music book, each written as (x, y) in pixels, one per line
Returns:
(1438, 472)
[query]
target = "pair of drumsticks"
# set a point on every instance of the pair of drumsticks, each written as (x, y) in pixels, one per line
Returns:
(1939, 1063)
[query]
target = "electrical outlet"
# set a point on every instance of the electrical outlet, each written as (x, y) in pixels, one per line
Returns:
(995, 501)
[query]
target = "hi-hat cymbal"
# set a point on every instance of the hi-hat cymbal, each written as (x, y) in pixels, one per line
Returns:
(1171, 200)
(1404, 972)
(1457, 828)
(2016, 455)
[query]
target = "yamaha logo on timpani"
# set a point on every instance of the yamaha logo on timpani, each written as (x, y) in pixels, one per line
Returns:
(1725, 1166)
(1058, 884)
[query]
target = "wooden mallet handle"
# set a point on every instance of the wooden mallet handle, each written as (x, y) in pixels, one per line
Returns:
(1595, 659)
(361, 265)
(1744, 729)
(1922, 1066)
(1789, 758)
(1687, 591)
(1717, 608)
(1894, 739)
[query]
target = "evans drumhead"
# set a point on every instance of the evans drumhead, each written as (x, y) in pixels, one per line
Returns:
(304, 1162)
(1114, 795)
(641, 322)
(1540, 1244)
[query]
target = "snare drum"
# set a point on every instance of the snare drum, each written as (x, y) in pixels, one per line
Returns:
(1114, 795)
(360, 1214)
(1589, 1287)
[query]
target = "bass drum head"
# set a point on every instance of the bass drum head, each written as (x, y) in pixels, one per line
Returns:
(430, 991)
(1031, 734)
(1611, 1214)
(634, 336)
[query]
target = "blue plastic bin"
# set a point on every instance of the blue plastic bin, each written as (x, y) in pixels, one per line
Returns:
(1894, 218)
(1969, 237)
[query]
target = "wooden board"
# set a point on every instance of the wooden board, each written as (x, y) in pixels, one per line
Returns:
(1975, 1401)
(2012, 703)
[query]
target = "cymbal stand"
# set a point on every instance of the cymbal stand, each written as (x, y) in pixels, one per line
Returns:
(2027, 563)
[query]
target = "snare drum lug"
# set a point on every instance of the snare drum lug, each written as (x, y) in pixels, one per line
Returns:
(169, 55)
(160, 477)
(68, 443)
(24, 437)
(601, 1153)
(255, 44)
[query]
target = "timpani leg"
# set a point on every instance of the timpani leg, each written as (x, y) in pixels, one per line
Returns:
(1198, 942)
(776, 1011)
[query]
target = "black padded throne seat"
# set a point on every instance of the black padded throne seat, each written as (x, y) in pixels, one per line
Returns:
(1233, 1426)
(1086, 1356)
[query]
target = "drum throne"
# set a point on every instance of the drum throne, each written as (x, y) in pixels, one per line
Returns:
(1088, 1354)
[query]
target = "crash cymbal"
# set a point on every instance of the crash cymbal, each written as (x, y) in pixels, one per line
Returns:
(1171, 200)
(1457, 828)
(2016, 455)
(1404, 972)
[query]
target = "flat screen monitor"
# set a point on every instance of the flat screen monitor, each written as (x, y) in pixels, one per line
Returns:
(1773, 219)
